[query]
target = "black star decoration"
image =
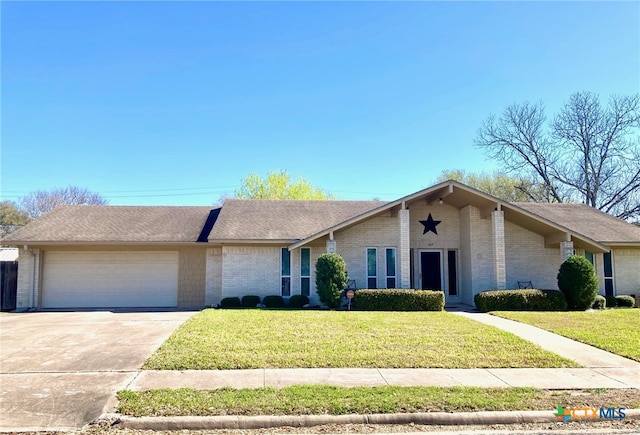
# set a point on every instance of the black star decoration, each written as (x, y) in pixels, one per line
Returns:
(430, 225)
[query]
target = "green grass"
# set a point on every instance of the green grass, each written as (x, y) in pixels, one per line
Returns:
(616, 331)
(243, 339)
(323, 399)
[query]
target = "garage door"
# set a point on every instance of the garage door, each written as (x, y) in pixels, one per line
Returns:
(109, 279)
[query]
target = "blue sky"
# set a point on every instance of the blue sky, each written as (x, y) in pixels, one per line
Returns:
(173, 103)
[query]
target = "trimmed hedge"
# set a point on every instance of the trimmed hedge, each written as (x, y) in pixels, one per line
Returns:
(273, 301)
(298, 301)
(625, 301)
(232, 302)
(612, 301)
(600, 303)
(250, 301)
(578, 281)
(399, 300)
(520, 300)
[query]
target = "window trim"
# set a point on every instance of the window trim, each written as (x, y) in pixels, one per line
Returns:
(395, 266)
(367, 266)
(284, 277)
(303, 277)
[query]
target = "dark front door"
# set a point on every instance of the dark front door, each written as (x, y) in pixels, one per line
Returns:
(430, 267)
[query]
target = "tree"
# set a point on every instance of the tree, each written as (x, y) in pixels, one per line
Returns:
(38, 203)
(331, 278)
(498, 184)
(11, 218)
(279, 185)
(578, 281)
(587, 153)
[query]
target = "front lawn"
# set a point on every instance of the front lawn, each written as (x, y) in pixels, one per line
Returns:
(324, 399)
(616, 331)
(243, 339)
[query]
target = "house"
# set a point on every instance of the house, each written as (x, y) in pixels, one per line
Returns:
(448, 236)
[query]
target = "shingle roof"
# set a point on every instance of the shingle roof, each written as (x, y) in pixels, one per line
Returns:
(587, 221)
(262, 219)
(89, 223)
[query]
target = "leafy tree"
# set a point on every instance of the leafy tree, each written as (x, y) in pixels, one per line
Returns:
(498, 184)
(587, 153)
(331, 278)
(578, 281)
(11, 218)
(279, 185)
(38, 203)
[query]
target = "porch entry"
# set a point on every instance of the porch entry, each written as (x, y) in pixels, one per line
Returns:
(439, 271)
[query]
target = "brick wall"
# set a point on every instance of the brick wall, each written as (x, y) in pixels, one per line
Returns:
(250, 270)
(626, 271)
(476, 254)
(213, 283)
(191, 277)
(529, 260)
(28, 279)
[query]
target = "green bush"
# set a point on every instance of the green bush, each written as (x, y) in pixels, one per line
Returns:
(520, 300)
(399, 300)
(331, 278)
(612, 301)
(250, 301)
(298, 301)
(232, 302)
(625, 301)
(578, 281)
(273, 301)
(600, 303)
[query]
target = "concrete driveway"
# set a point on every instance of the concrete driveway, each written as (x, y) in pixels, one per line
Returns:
(60, 370)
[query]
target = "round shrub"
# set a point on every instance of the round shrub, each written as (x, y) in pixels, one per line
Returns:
(298, 301)
(250, 301)
(600, 303)
(625, 301)
(612, 301)
(273, 301)
(578, 281)
(331, 278)
(232, 302)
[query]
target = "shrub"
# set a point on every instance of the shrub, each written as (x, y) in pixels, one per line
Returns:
(232, 302)
(520, 300)
(578, 281)
(399, 300)
(611, 301)
(273, 301)
(250, 301)
(625, 301)
(600, 303)
(298, 301)
(331, 278)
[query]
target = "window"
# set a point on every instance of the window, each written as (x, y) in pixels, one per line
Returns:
(372, 268)
(608, 274)
(285, 272)
(453, 273)
(589, 256)
(305, 271)
(390, 259)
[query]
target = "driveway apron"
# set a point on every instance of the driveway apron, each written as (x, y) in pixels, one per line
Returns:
(60, 370)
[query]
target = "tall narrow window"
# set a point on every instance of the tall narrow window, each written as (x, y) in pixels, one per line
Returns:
(589, 256)
(305, 271)
(285, 272)
(372, 268)
(453, 273)
(608, 274)
(390, 259)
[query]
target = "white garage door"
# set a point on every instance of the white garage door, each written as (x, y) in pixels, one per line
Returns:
(109, 279)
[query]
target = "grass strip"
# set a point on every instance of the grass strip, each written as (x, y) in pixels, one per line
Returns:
(332, 400)
(245, 339)
(613, 330)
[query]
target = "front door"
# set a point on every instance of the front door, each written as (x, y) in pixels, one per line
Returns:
(431, 270)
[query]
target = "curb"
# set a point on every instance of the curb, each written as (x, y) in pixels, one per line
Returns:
(268, 421)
